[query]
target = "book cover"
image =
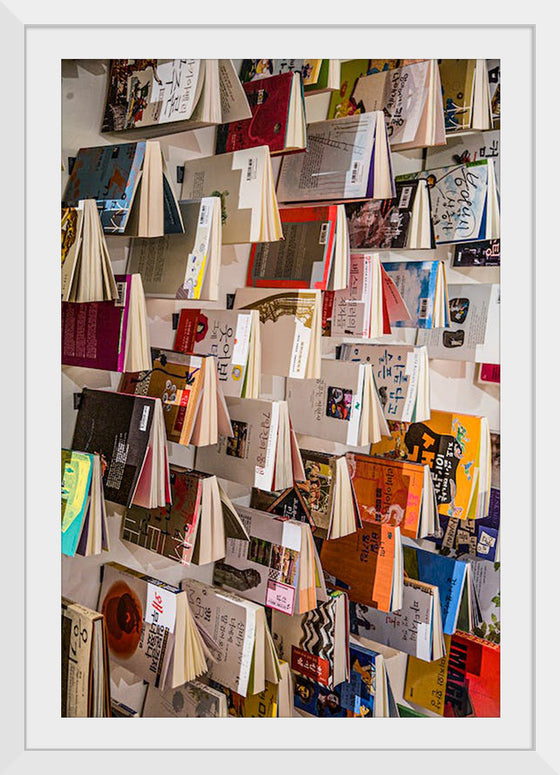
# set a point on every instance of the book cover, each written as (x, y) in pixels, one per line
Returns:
(269, 99)
(303, 259)
(94, 332)
(261, 705)
(76, 481)
(169, 531)
(117, 427)
(482, 253)
(473, 677)
(193, 700)
(416, 282)
(256, 69)
(289, 503)
(342, 103)
(450, 444)
(425, 681)
(382, 223)
(466, 147)
(457, 83)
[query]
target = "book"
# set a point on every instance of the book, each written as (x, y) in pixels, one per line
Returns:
(482, 253)
(395, 492)
(261, 452)
(275, 701)
(415, 629)
(452, 577)
(317, 75)
(473, 333)
(391, 224)
(464, 202)
(193, 700)
(401, 374)
(290, 329)
(128, 433)
(468, 147)
(244, 182)
(110, 335)
(86, 270)
(342, 405)
(410, 97)
(278, 567)
(363, 695)
(161, 96)
(425, 682)
(277, 117)
(193, 528)
(370, 303)
(131, 186)
(244, 655)
(466, 94)
(473, 677)
(489, 373)
(83, 512)
(342, 103)
(194, 407)
(493, 66)
(313, 254)
(423, 286)
(183, 266)
(355, 153)
(367, 565)
(233, 338)
(84, 685)
(457, 449)
(150, 628)
(485, 577)
(315, 644)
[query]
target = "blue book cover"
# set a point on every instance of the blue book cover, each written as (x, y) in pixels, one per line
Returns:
(416, 282)
(445, 573)
(77, 470)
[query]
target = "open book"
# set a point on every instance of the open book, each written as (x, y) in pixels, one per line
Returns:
(466, 94)
(84, 516)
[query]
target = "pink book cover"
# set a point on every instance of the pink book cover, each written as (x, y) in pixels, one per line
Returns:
(94, 332)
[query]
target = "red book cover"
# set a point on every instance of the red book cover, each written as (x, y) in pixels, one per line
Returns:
(490, 372)
(187, 330)
(303, 258)
(269, 99)
(473, 677)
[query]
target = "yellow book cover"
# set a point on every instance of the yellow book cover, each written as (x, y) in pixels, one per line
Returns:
(425, 681)
(450, 444)
(457, 82)
(261, 705)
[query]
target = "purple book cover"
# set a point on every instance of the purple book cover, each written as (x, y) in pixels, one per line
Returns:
(94, 332)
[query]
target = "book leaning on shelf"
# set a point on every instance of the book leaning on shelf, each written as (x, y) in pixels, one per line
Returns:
(457, 449)
(325, 500)
(416, 629)
(290, 329)
(83, 512)
(370, 303)
(313, 254)
(161, 96)
(109, 335)
(131, 186)
(87, 273)
(277, 120)
(233, 337)
(343, 405)
(151, 630)
(423, 287)
(262, 450)
(278, 567)
(193, 528)
(410, 98)
(183, 266)
(318, 75)
(345, 160)
(402, 377)
(389, 224)
(466, 94)
(85, 691)
(194, 407)
(244, 181)
(245, 657)
(394, 492)
(315, 644)
(128, 433)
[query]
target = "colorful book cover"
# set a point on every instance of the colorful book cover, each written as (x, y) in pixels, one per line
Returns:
(169, 531)
(457, 83)
(447, 574)
(388, 491)
(303, 259)
(449, 443)
(77, 470)
(482, 253)
(117, 427)
(269, 99)
(382, 223)
(94, 332)
(341, 103)
(255, 69)
(425, 681)
(362, 564)
(416, 281)
(261, 705)
(473, 677)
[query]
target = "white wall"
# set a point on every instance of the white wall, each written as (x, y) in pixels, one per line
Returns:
(453, 384)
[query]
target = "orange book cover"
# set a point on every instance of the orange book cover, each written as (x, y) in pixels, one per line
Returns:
(449, 443)
(388, 491)
(363, 563)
